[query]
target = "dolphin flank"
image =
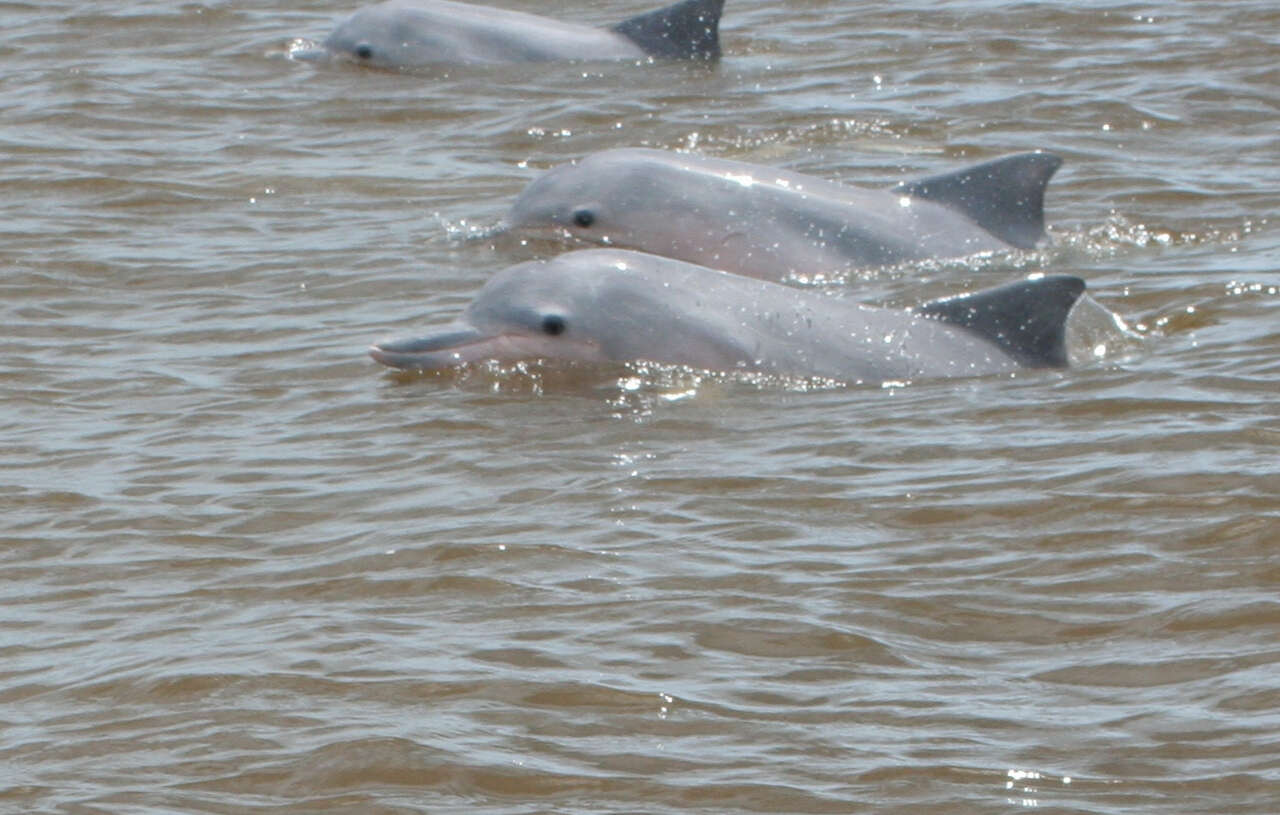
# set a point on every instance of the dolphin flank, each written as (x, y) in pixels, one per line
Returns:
(407, 34)
(607, 305)
(770, 223)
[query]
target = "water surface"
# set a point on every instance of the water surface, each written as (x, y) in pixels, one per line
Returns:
(248, 570)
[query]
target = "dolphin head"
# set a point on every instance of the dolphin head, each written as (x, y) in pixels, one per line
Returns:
(397, 35)
(526, 312)
(369, 36)
(630, 198)
(592, 305)
(668, 204)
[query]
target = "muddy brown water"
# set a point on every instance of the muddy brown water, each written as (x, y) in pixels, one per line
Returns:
(245, 569)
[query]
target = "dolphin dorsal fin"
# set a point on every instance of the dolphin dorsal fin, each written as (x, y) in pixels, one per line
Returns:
(1027, 319)
(689, 29)
(1004, 196)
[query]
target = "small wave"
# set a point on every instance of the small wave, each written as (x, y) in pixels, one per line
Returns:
(633, 388)
(464, 231)
(1097, 334)
(1119, 234)
(301, 49)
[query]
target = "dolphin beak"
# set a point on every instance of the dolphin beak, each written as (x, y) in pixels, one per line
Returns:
(453, 345)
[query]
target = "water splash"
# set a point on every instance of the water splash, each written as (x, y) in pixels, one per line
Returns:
(1097, 334)
(1118, 235)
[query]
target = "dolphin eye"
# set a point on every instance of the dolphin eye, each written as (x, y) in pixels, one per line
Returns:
(553, 324)
(584, 217)
(364, 50)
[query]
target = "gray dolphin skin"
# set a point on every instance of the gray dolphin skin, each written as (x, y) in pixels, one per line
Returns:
(406, 34)
(615, 305)
(773, 224)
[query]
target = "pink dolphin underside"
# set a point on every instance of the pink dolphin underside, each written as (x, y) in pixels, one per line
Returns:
(616, 305)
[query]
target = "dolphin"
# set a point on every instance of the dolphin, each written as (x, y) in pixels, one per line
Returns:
(407, 34)
(613, 305)
(773, 224)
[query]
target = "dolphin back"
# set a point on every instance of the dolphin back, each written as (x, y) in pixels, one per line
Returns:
(1004, 196)
(1027, 319)
(689, 29)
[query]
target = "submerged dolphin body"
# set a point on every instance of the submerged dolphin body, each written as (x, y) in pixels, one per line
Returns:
(614, 305)
(770, 223)
(410, 34)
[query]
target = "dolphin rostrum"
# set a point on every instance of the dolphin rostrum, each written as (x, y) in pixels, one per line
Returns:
(770, 223)
(410, 34)
(616, 305)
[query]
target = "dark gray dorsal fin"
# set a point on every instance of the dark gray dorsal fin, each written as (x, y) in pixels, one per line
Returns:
(1004, 196)
(689, 29)
(1027, 319)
